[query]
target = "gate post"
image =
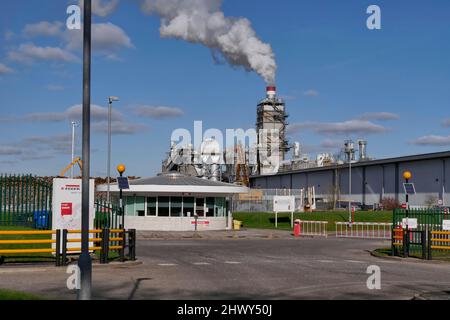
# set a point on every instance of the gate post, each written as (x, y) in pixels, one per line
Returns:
(424, 242)
(64, 248)
(58, 248)
(405, 244)
(430, 235)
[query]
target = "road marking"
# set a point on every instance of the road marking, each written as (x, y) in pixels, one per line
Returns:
(167, 264)
(201, 264)
(326, 261)
(232, 262)
(354, 261)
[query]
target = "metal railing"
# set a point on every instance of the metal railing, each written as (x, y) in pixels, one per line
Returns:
(102, 240)
(314, 228)
(364, 230)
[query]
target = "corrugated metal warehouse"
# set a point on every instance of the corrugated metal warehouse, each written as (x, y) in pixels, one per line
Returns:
(372, 180)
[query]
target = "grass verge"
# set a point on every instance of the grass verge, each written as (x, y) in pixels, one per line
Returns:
(264, 220)
(15, 295)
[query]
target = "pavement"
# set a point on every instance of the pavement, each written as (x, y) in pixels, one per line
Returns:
(263, 265)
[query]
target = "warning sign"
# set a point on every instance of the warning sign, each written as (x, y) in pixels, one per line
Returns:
(66, 209)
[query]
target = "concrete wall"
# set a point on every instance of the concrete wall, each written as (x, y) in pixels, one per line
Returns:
(173, 224)
(371, 182)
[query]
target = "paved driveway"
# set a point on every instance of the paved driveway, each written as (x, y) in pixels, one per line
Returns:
(247, 269)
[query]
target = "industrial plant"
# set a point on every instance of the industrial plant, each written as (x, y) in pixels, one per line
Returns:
(326, 181)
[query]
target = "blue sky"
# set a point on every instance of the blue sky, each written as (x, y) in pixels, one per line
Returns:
(340, 80)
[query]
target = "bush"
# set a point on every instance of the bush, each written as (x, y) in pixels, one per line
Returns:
(390, 204)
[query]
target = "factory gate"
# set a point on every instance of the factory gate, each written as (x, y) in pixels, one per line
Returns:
(25, 201)
(427, 238)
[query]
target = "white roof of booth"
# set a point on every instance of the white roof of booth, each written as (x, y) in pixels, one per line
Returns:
(177, 183)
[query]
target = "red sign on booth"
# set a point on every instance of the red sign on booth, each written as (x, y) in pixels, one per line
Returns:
(404, 206)
(66, 209)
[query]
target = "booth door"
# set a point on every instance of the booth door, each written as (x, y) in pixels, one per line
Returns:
(200, 207)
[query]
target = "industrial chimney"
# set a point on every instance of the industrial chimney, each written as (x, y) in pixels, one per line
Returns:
(271, 92)
(362, 150)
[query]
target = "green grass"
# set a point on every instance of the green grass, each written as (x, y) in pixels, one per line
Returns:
(14, 295)
(267, 220)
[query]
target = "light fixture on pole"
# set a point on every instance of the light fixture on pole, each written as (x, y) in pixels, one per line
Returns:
(121, 169)
(85, 260)
(74, 125)
(108, 169)
(350, 151)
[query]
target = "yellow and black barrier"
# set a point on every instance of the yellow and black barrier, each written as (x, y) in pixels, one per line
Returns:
(438, 240)
(103, 240)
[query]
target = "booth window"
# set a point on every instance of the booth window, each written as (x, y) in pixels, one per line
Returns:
(151, 206)
(188, 207)
(130, 206)
(163, 206)
(176, 205)
(220, 207)
(210, 207)
(140, 206)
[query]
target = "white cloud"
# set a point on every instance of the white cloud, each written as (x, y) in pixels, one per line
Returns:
(106, 37)
(311, 93)
(9, 150)
(338, 128)
(28, 53)
(4, 69)
(331, 144)
(102, 8)
(433, 140)
(44, 28)
(119, 127)
(379, 116)
(158, 112)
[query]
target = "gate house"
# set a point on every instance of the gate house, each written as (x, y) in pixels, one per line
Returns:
(170, 201)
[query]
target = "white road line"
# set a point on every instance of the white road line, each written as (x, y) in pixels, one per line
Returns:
(354, 261)
(325, 261)
(201, 264)
(232, 262)
(167, 264)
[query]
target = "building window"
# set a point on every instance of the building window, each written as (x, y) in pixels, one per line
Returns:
(210, 207)
(163, 206)
(176, 206)
(140, 206)
(220, 208)
(188, 207)
(151, 206)
(129, 206)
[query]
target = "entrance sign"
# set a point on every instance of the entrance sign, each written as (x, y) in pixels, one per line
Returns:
(284, 204)
(412, 223)
(67, 206)
(446, 225)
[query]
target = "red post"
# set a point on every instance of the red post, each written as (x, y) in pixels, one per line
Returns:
(297, 228)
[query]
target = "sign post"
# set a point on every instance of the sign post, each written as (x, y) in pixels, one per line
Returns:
(123, 184)
(284, 204)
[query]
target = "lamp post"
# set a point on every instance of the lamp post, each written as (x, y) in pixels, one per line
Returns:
(121, 169)
(407, 175)
(349, 150)
(85, 261)
(74, 125)
(110, 101)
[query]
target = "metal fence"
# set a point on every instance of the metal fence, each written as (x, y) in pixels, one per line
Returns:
(107, 215)
(26, 201)
(364, 230)
(314, 228)
(426, 218)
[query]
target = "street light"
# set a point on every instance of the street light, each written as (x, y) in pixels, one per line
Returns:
(74, 125)
(349, 150)
(407, 175)
(110, 100)
(121, 169)
(85, 261)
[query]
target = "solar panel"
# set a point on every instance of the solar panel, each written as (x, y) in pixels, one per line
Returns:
(409, 188)
(123, 183)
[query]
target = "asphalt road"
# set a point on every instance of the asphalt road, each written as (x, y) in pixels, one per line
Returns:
(247, 269)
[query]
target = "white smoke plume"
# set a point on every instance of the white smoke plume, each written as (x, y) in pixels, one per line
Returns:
(203, 22)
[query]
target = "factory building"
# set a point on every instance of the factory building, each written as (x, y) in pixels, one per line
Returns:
(371, 180)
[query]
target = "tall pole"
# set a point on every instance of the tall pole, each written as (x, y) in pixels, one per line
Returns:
(74, 124)
(109, 152)
(85, 261)
(350, 187)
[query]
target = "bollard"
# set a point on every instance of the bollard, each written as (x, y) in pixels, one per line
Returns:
(297, 228)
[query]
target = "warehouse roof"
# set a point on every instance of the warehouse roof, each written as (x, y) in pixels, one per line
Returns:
(412, 158)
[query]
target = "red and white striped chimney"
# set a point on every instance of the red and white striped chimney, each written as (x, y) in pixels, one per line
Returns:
(271, 92)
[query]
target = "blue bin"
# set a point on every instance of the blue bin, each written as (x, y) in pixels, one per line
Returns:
(41, 219)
